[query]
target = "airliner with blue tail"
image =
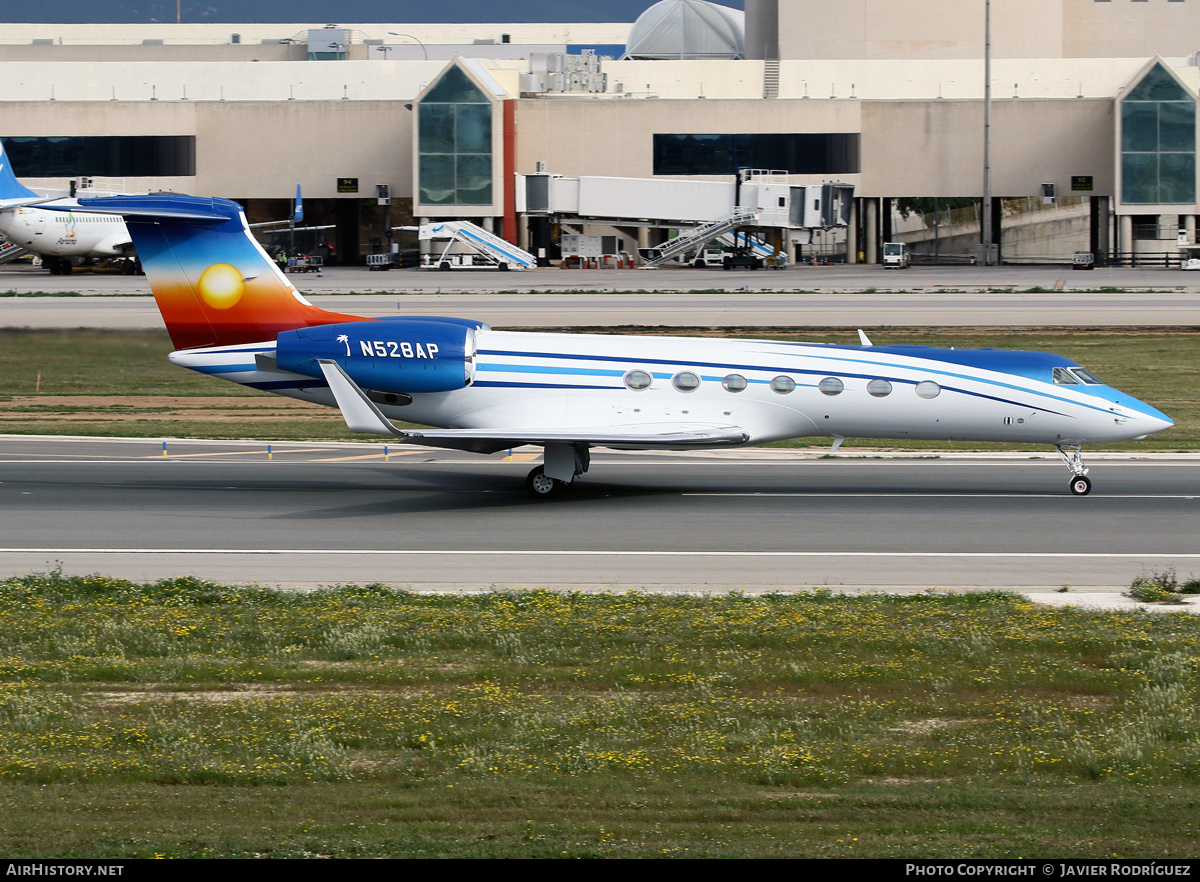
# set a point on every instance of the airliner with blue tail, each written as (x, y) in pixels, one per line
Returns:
(50, 227)
(233, 314)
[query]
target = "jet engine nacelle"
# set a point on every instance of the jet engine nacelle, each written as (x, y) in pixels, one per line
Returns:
(399, 356)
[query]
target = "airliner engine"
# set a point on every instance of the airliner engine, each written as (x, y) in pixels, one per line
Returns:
(390, 355)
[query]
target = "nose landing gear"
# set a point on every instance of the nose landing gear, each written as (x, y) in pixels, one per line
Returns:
(1072, 454)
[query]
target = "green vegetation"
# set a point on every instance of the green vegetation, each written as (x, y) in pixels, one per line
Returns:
(186, 718)
(1163, 587)
(87, 382)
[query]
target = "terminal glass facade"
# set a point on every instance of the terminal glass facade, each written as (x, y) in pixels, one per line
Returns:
(454, 143)
(808, 153)
(1158, 142)
(113, 156)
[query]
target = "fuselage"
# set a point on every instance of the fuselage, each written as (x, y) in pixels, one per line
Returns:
(773, 390)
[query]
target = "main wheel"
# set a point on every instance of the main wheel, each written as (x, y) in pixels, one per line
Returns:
(540, 485)
(1081, 485)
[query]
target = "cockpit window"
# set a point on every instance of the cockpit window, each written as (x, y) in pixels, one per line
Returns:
(1087, 376)
(1063, 377)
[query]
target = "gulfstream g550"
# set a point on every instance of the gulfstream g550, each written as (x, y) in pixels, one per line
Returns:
(232, 314)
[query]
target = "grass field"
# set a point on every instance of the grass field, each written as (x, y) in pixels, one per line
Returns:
(83, 382)
(184, 718)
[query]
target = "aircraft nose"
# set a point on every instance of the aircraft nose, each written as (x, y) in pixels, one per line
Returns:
(1151, 421)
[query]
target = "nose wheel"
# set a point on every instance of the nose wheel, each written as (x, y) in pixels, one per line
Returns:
(1081, 484)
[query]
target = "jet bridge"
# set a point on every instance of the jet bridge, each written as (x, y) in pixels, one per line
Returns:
(701, 210)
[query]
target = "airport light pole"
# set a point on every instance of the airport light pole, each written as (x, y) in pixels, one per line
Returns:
(987, 132)
(424, 51)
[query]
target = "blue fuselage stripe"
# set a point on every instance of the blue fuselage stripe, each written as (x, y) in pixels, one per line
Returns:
(806, 371)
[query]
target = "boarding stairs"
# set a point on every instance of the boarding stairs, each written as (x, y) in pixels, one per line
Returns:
(503, 253)
(757, 247)
(10, 252)
(696, 239)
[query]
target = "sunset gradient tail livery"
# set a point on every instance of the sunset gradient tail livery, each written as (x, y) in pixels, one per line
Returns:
(213, 282)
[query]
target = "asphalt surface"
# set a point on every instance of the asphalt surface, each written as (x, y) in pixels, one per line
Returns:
(867, 297)
(756, 520)
(314, 514)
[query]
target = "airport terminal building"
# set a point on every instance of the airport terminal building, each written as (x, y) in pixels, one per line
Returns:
(1092, 117)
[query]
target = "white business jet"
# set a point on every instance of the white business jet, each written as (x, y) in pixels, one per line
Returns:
(232, 314)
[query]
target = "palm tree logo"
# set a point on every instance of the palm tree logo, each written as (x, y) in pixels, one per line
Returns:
(344, 338)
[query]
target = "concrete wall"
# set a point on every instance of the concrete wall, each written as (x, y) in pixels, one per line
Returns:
(264, 149)
(914, 29)
(581, 136)
(935, 148)
(1122, 29)
(932, 29)
(246, 149)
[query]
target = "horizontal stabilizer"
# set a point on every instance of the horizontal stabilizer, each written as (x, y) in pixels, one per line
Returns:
(175, 207)
(26, 201)
(362, 415)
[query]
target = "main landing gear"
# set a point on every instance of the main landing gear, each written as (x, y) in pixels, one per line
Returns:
(542, 486)
(564, 462)
(1072, 454)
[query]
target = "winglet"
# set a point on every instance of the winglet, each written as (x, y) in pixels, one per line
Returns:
(359, 412)
(862, 338)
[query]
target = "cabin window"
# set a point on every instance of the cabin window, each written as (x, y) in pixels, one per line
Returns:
(1063, 377)
(783, 385)
(734, 383)
(928, 389)
(831, 386)
(1087, 376)
(638, 380)
(686, 381)
(879, 388)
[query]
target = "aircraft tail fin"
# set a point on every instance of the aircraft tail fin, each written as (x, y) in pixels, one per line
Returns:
(214, 284)
(10, 187)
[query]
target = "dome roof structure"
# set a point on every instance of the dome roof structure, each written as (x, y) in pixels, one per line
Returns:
(678, 29)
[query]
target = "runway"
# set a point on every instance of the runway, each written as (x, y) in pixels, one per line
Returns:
(319, 514)
(866, 297)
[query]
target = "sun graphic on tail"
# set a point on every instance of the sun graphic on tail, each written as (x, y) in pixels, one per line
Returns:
(221, 286)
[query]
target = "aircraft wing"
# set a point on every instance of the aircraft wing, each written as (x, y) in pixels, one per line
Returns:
(362, 415)
(283, 225)
(635, 436)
